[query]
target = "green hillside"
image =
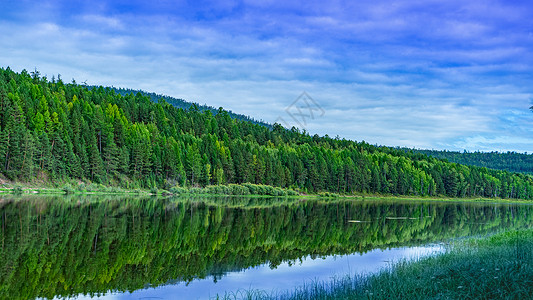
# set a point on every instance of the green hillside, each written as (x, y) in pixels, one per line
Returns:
(51, 131)
(180, 103)
(509, 161)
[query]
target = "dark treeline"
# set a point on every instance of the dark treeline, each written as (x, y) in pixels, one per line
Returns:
(509, 161)
(60, 247)
(52, 131)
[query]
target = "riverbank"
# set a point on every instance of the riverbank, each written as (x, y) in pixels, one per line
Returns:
(497, 267)
(245, 189)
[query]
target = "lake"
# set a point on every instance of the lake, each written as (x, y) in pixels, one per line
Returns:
(126, 247)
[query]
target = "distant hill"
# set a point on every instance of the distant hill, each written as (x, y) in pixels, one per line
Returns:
(180, 103)
(508, 161)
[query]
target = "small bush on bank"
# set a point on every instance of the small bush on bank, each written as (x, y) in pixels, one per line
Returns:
(235, 189)
(68, 189)
(178, 190)
(17, 190)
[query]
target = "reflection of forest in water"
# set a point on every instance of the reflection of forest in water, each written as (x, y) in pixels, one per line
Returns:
(65, 246)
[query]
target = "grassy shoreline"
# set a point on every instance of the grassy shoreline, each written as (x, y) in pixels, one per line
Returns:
(496, 267)
(199, 192)
(238, 190)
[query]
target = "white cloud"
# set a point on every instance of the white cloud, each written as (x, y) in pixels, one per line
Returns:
(100, 20)
(393, 75)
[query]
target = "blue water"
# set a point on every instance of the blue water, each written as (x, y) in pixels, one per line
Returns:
(286, 277)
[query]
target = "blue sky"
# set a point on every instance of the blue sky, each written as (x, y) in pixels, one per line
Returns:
(427, 74)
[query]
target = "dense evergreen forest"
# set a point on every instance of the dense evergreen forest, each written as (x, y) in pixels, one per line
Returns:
(180, 103)
(509, 161)
(52, 131)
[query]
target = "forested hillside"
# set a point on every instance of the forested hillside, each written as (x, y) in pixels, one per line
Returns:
(53, 131)
(180, 103)
(510, 161)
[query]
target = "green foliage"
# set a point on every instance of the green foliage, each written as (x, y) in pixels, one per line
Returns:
(177, 190)
(68, 189)
(509, 161)
(328, 195)
(180, 103)
(63, 132)
(500, 269)
(55, 247)
(237, 189)
(91, 187)
(17, 190)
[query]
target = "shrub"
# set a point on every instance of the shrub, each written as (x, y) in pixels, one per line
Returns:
(196, 190)
(81, 187)
(68, 189)
(236, 189)
(91, 187)
(178, 190)
(114, 189)
(17, 190)
(292, 193)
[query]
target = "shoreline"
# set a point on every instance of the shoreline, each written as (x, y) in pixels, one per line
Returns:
(493, 267)
(199, 192)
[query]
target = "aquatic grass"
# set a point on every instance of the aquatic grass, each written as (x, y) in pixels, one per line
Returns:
(498, 267)
(245, 294)
(337, 288)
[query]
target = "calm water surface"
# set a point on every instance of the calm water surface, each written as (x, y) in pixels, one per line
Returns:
(195, 248)
(283, 278)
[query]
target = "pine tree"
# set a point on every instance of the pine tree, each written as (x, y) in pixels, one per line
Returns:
(219, 176)
(27, 168)
(95, 161)
(124, 161)
(193, 164)
(111, 156)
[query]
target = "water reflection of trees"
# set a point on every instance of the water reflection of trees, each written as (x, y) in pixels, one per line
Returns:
(65, 246)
